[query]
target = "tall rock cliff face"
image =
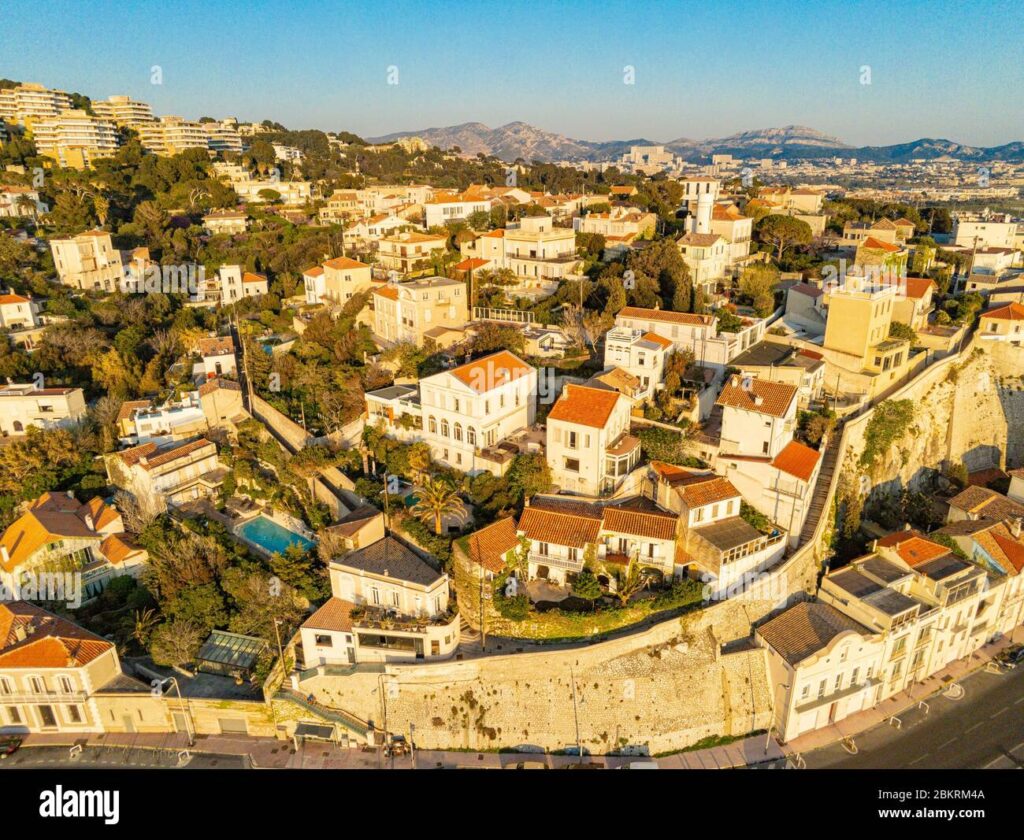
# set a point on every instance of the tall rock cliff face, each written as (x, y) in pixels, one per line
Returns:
(968, 410)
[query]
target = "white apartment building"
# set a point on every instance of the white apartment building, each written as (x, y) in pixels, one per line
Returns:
(736, 229)
(171, 135)
(38, 691)
(290, 192)
(18, 312)
(566, 535)
(336, 281)
(223, 136)
(123, 110)
(57, 532)
(462, 413)
(410, 252)
(641, 354)
(697, 333)
(234, 284)
(757, 453)
(24, 405)
(822, 667)
(174, 420)
(443, 207)
(409, 312)
(27, 102)
(388, 605)
(226, 221)
(707, 255)
(74, 138)
(533, 251)
(88, 261)
(20, 202)
(162, 476)
(716, 544)
(589, 448)
(984, 231)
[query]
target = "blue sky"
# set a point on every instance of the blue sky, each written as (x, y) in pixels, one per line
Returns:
(702, 69)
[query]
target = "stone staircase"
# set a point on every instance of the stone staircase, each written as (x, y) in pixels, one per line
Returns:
(350, 722)
(828, 469)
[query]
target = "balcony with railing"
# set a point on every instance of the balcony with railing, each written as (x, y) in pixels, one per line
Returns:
(557, 562)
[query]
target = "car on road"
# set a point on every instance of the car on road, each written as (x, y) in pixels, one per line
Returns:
(1011, 657)
(9, 746)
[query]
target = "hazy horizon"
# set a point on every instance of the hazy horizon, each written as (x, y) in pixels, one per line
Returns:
(698, 71)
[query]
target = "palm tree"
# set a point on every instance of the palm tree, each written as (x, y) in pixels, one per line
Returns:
(438, 498)
(145, 621)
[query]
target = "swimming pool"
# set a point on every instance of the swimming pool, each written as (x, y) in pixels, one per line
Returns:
(271, 537)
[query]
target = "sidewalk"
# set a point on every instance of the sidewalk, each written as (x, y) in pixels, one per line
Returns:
(270, 753)
(898, 703)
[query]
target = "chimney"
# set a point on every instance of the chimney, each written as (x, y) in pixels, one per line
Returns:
(5, 554)
(1015, 528)
(20, 631)
(758, 399)
(89, 522)
(734, 381)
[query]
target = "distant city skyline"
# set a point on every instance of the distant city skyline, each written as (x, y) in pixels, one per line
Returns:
(942, 70)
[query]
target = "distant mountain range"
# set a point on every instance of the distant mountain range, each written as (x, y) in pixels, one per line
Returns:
(791, 142)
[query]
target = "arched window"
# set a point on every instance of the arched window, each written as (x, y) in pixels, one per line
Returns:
(433, 425)
(458, 431)
(18, 427)
(444, 428)
(471, 435)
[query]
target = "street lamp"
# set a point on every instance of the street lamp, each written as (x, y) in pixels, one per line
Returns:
(188, 713)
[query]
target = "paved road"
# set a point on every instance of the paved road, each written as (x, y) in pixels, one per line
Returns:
(111, 757)
(985, 729)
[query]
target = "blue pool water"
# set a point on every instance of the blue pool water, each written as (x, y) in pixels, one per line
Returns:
(275, 538)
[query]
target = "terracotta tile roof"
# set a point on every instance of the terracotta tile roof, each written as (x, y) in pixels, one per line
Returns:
(984, 477)
(657, 339)
(904, 222)
(389, 292)
(696, 488)
(877, 245)
(315, 271)
(689, 318)
(1012, 548)
(798, 460)
(352, 523)
(218, 384)
(50, 641)
(650, 524)
(913, 547)
(342, 263)
(102, 514)
(118, 547)
(335, 615)
(1010, 312)
(10, 299)
(807, 289)
(492, 371)
(471, 264)
(391, 558)
(252, 277)
(586, 406)
(764, 397)
(918, 287)
(982, 501)
(699, 240)
(49, 518)
(128, 407)
(569, 524)
(806, 629)
(488, 546)
(883, 224)
(219, 346)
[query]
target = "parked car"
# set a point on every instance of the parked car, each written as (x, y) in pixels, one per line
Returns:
(9, 746)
